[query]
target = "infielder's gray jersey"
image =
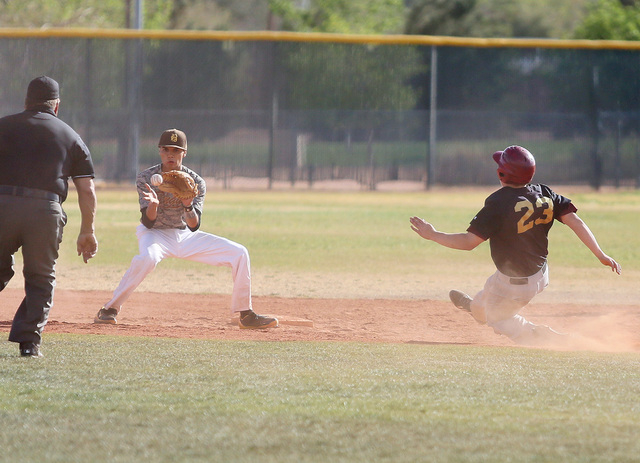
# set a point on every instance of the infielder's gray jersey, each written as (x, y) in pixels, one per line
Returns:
(170, 209)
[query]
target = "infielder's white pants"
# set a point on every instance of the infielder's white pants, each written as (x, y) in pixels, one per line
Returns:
(500, 301)
(155, 245)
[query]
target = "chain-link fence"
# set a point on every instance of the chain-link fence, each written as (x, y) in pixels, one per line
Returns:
(300, 110)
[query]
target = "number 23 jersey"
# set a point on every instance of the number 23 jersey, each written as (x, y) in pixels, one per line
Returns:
(516, 221)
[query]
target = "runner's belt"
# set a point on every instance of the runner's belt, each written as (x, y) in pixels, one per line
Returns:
(525, 280)
(28, 193)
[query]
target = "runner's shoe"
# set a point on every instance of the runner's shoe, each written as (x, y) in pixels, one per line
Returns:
(460, 300)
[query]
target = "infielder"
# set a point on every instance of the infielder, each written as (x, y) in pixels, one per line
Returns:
(516, 220)
(170, 228)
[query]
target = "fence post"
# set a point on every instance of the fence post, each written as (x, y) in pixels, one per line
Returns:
(272, 136)
(433, 99)
(372, 166)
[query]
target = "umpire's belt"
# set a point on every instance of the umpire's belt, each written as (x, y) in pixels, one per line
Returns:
(525, 280)
(28, 192)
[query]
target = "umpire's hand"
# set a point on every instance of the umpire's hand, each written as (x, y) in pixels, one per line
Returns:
(87, 246)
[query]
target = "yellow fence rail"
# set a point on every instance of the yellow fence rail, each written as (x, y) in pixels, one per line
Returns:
(283, 36)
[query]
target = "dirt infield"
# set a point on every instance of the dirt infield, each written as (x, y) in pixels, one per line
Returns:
(609, 329)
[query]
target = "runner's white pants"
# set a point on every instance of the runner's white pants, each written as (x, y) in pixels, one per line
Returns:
(500, 300)
(155, 245)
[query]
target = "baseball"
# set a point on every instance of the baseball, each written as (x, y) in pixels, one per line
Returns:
(156, 179)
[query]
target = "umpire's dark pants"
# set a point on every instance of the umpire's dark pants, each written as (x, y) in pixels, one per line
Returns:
(35, 225)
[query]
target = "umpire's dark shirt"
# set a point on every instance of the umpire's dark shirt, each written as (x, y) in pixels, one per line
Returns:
(38, 150)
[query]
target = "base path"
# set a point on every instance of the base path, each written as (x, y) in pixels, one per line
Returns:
(206, 316)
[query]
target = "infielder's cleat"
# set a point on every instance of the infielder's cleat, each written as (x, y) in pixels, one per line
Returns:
(253, 321)
(460, 300)
(30, 349)
(107, 316)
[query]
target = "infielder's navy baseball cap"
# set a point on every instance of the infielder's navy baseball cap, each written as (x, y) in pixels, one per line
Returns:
(43, 88)
(173, 137)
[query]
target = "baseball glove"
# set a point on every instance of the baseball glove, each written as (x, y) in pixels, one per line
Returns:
(179, 184)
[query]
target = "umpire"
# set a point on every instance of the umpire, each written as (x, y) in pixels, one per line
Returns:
(38, 154)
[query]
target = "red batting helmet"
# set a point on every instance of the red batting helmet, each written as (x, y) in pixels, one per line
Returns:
(516, 165)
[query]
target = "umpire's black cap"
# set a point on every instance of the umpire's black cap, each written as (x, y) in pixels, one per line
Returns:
(43, 88)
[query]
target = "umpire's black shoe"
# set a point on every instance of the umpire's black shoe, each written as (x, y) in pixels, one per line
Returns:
(107, 316)
(460, 300)
(30, 349)
(249, 320)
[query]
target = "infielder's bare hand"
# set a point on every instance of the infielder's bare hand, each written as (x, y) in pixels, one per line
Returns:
(87, 246)
(422, 228)
(150, 195)
(152, 198)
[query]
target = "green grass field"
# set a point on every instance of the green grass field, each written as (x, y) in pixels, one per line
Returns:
(105, 399)
(357, 244)
(126, 399)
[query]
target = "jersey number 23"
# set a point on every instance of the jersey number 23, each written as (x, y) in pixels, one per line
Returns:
(543, 203)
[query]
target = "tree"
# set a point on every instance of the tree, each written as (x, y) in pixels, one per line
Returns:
(439, 17)
(355, 74)
(219, 15)
(614, 79)
(611, 20)
(343, 79)
(340, 16)
(346, 76)
(495, 18)
(79, 13)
